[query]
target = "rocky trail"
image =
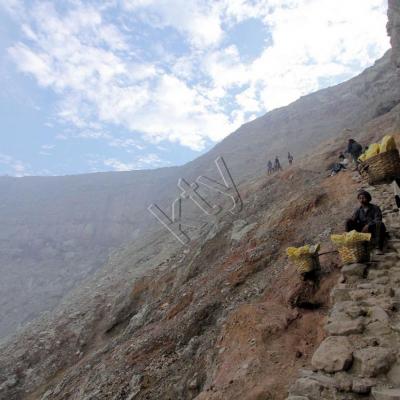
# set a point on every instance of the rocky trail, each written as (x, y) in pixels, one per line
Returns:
(360, 357)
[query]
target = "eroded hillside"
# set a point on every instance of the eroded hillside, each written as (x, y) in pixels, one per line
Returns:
(223, 318)
(60, 230)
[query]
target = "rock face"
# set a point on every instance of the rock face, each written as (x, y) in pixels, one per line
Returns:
(393, 28)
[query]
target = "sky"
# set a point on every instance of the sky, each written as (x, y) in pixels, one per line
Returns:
(116, 85)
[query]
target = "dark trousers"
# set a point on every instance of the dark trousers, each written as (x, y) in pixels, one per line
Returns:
(377, 230)
(355, 156)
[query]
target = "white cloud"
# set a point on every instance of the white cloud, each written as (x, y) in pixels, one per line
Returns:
(13, 7)
(149, 160)
(125, 143)
(201, 94)
(16, 167)
(311, 40)
(118, 165)
(46, 149)
(199, 21)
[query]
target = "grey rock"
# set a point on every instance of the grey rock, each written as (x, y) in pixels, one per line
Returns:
(297, 398)
(343, 381)
(193, 384)
(240, 229)
(340, 293)
(353, 272)
(386, 394)
(343, 327)
(372, 361)
(377, 314)
(135, 381)
(325, 380)
(394, 374)
(378, 329)
(306, 387)
(363, 386)
(333, 355)
(137, 320)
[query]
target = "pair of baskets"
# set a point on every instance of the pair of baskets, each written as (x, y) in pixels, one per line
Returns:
(382, 168)
(353, 253)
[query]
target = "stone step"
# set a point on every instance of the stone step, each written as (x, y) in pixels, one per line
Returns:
(334, 354)
(353, 272)
(358, 358)
(386, 394)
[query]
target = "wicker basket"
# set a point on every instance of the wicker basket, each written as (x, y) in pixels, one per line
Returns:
(363, 170)
(382, 168)
(306, 263)
(356, 252)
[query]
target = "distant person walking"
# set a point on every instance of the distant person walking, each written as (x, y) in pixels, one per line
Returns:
(277, 166)
(354, 149)
(290, 158)
(270, 167)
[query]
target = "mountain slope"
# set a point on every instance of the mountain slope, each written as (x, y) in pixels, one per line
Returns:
(394, 30)
(222, 318)
(59, 230)
(207, 321)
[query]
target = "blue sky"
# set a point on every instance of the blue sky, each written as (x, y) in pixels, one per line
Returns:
(90, 86)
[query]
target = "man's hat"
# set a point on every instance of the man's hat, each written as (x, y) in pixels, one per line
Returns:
(365, 193)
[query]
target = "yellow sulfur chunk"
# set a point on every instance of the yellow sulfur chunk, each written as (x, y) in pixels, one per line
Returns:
(372, 151)
(363, 157)
(296, 252)
(388, 143)
(351, 237)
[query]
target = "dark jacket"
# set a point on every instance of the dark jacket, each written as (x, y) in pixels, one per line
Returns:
(369, 216)
(354, 148)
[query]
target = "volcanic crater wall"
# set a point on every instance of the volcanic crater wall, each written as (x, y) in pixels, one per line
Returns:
(394, 29)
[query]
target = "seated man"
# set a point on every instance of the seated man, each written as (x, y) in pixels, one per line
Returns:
(368, 218)
(336, 168)
(343, 160)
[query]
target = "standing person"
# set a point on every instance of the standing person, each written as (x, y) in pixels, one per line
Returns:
(355, 149)
(290, 158)
(277, 166)
(270, 168)
(368, 218)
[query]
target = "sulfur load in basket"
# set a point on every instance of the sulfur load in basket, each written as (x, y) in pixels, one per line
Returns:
(381, 162)
(353, 246)
(305, 258)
